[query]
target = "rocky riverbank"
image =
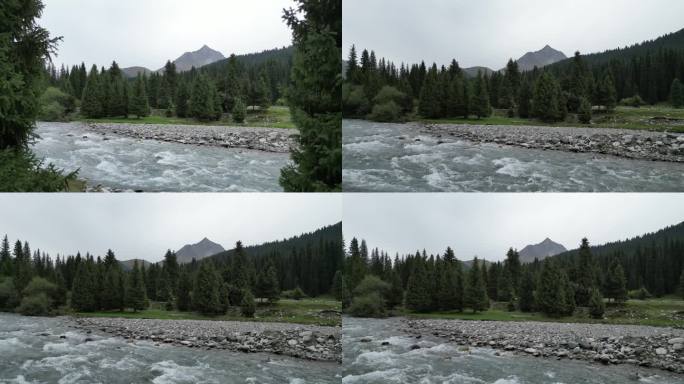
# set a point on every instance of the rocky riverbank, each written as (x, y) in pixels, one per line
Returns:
(263, 139)
(634, 144)
(302, 341)
(654, 347)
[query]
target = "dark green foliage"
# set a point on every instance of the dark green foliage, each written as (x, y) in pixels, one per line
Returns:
(605, 94)
(41, 286)
(681, 284)
(554, 296)
(677, 94)
(586, 279)
(183, 99)
(430, 100)
(372, 284)
(417, 290)
(183, 299)
(525, 100)
(203, 99)
(615, 282)
(596, 305)
(138, 101)
(480, 103)
(338, 286)
(83, 290)
(640, 294)
(584, 111)
(55, 105)
(248, 306)
(93, 95)
(476, 291)
(35, 305)
(547, 98)
(206, 289)
(395, 295)
(369, 305)
(315, 97)
(9, 297)
(635, 101)
(239, 111)
(387, 104)
(135, 291)
(526, 300)
(356, 265)
(231, 91)
(267, 284)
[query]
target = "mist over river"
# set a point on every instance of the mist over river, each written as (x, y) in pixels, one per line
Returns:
(125, 163)
(385, 157)
(51, 350)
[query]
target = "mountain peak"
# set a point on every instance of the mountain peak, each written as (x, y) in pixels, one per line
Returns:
(197, 251)
(546, 248)
(541, 58)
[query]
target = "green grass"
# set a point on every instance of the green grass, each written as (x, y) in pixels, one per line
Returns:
(663, 312)
(622, 117)
(305, 311)
(274, 117)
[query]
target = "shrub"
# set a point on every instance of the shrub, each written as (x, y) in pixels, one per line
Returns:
(53, 111)
(248, 306)
(9, 297)
(369, 305)
(21, 171)
(55, 105)
(35, 305)
(387, 112)
(639, 294)
(354, 101)
(372, 284)
(584, 111)
(296, 294)
(635, 101)
(596, 305)
(40, 285)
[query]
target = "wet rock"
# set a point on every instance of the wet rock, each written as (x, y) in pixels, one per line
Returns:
(415, 346)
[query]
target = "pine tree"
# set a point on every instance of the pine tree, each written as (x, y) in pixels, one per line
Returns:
(550, 297)
(232, 91)
(429, 101)
(481, 105)
(182, 99)
(476, 291)
(546, 98)
(512, 263)
(585, 274)
(135, 292)
(681, 284)
(526, 300)
(172, 270)
(352, 65)
(267, 284)
(584, 111)
(248, 306)
(525, 100)
(315, 97)
(505, 286)
(417, 291)
(5, 258)
(395, 296)
(596, 305)
(111, 294)
(605, 94)
(83, 290)
(338, 286)
(91, 101)
(206, 290)
(138, 102)
(183, 299)
(677, 94)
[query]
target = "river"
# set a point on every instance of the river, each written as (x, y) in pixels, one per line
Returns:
(437, 361)
(376, 159)
(48, 350)
(126, 163)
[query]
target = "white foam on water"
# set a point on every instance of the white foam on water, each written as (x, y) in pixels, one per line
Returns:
(58, 347)
(508, 380)
(172, 373)
(297, 380)
(19, 380)
(11, 344)
(550, 374)
(510, 166)
(376, 358)
(75, 377)
(367, 146)
(125, 364)
(108, 167)
(394, 375)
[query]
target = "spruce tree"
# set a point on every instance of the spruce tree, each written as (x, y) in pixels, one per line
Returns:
(182, 99)
(5, 258)
(550, 298)
(111, 294)
(429, 101)
(677, 94)
(596, 305)
(91, 101)
(476, 291)
(83, 290)
(512, 263)
(352, 65)
(206, 289)
(681, 284)
(232, 91)
(202, 99)
(315, 97)
(481, 104)
(395, 295)
(526, 300)
(239, 111)
(546, 98)
(584, 111)
(605, 94)
(337, 286)
(417, 291)
(248, 306)
(135, 292)
(138, 102)
(267, 283)
(615, 283)
(585, 274)
(183, 299)
(525, 100)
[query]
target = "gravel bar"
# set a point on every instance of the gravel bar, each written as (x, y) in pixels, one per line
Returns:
(309, 342)
(657, 347)
(264, 139)
(634, 144)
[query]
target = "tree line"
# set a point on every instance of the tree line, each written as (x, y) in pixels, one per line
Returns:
(380, 90)
(35, 284)
(374, 284)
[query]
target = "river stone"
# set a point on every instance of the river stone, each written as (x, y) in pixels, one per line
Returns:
(676, 340)
(292, 342)
(661, 351)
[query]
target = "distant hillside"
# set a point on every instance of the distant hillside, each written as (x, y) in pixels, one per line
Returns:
(541, 58)
(540, 251)
(469, 263)
(133, 71)
(198, 251)
(472, 71)
(281, 55)
(128, 264)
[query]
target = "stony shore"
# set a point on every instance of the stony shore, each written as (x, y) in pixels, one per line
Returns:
(263, 139)
(302, 341)
(645, 346)
(634, 144)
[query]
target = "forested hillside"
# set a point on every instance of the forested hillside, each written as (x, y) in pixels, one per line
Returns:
(36, 283)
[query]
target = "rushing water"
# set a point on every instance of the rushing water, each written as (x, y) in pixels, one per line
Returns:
(376, 159)
(440, 362)
(26, 356)
(150, 165)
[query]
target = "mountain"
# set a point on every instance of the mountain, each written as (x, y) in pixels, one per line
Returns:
(127, 265)
(469, 263)
(198, 251)
(541, 58)
(540, 251)
(197, 59)
(472, 71)
(133, 71)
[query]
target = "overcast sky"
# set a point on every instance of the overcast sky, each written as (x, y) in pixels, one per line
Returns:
(150, 32)
(487, 224)
(489, 32)
(146, 225)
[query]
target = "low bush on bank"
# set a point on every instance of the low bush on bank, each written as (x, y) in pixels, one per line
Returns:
(21, 171)
(56, 105)
(35, 305)
(369, 305)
